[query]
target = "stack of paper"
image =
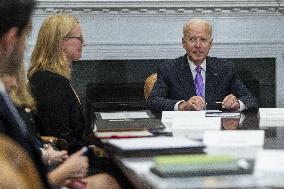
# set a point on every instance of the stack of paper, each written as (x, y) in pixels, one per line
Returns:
(271, 117)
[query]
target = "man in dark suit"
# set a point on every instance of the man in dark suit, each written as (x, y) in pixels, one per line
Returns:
(15, 25)
(196, 81)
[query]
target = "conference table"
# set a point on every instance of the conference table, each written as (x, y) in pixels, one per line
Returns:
(137, 169)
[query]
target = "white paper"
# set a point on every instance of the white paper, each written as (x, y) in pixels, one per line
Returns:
(153, 143)
(235, 138)
(194, 127)
(269, 162)
(124, 115)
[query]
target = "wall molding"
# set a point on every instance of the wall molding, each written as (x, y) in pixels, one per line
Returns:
(162, 7)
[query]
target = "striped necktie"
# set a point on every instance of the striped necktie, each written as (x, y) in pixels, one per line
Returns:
(198, 81)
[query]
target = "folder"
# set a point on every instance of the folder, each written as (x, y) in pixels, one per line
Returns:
(200, 165)
(127, 121)
(151, 146)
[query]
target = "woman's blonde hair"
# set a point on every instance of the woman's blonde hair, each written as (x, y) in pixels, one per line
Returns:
(47, 54)
(17, 171)
(21, 95)
(20, 92)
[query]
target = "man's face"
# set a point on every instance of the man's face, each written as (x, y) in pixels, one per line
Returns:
(197, 42)
(13, 59)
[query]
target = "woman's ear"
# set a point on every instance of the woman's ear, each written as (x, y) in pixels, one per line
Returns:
(62, 47)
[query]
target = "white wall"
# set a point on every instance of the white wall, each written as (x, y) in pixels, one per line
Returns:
(152, 29)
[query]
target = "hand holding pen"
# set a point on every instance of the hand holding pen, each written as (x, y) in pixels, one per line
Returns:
(195, 103)
(230, 102)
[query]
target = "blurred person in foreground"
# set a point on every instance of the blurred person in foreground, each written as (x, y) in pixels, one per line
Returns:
(15, 25)
(17, 171)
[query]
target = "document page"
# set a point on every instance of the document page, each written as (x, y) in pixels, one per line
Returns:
(124, 115)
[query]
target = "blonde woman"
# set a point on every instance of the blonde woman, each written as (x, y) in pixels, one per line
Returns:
(59, 43)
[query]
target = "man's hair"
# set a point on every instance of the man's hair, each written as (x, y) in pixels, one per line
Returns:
(47, 54)
(193, 21)
(15, 13)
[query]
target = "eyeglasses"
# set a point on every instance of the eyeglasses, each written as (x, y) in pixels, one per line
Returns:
(81, 38)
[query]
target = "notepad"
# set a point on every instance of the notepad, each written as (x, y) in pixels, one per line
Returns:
(199, 165)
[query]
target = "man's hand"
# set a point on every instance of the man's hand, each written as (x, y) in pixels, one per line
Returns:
(194, 103)
(231, 102)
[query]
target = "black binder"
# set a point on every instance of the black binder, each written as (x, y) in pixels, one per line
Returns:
(128, 124)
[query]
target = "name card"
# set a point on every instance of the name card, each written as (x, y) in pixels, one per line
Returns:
(271, 117)
(194, 127)
(270, 111)
(168, 116)
(234, 138)
(268, 162)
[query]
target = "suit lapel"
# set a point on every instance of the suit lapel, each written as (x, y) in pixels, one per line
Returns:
(211, 79)
(12, 114)
(185, 77)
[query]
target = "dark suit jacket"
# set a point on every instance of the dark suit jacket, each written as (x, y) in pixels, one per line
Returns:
(59, 110)
(10, 127)
(175, 83)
